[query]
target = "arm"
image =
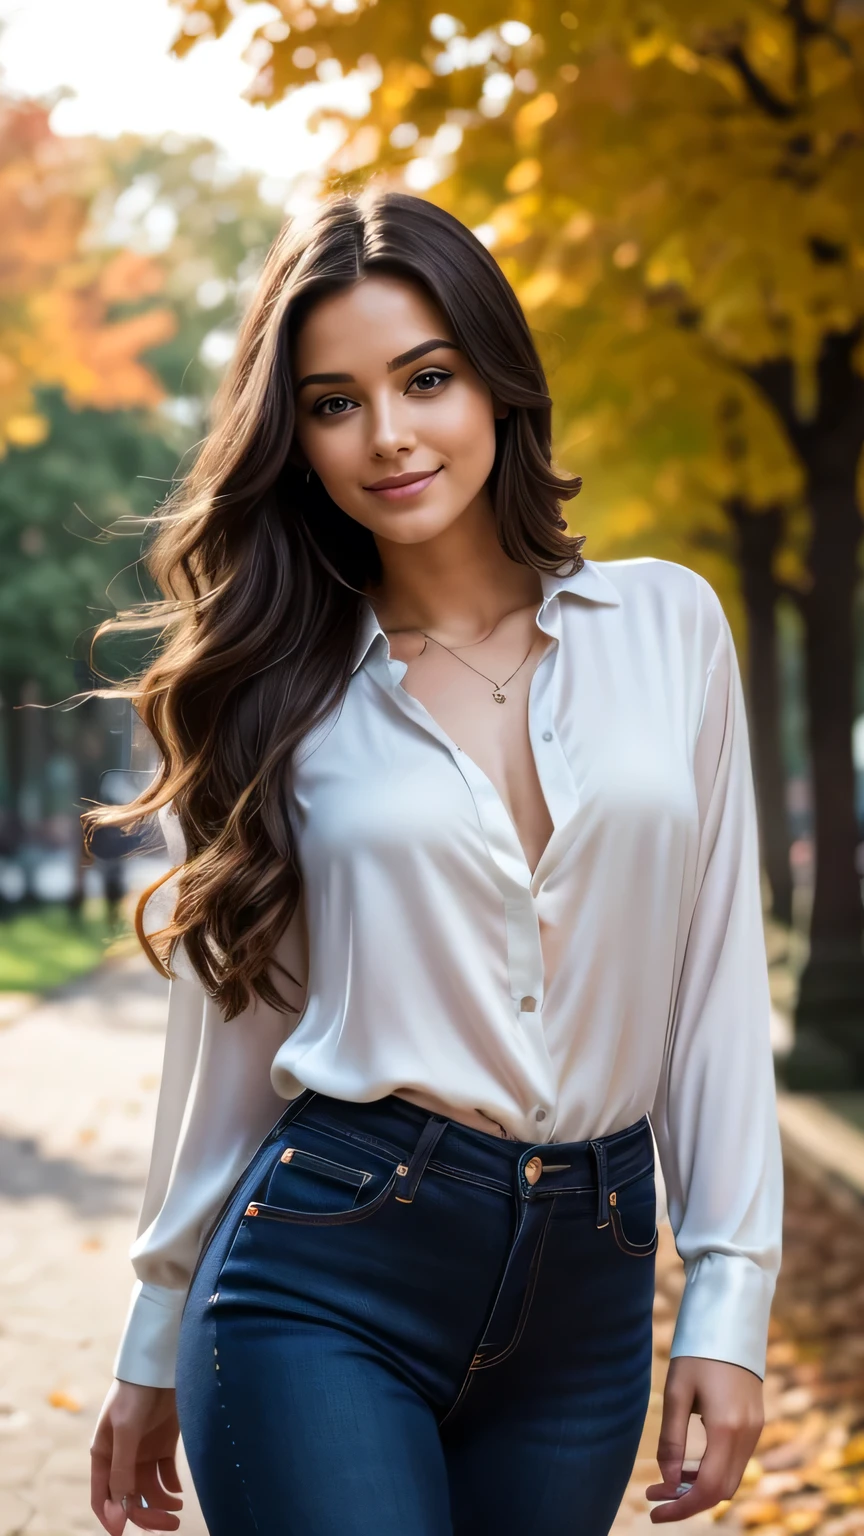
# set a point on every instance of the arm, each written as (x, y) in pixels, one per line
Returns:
(715, 1115)
(216, 1104)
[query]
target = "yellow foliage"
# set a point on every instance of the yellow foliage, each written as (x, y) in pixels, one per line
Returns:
(539, 289)
(55, 296)
(26, 431)
(683, 207)
(533, 115)
(524, 174)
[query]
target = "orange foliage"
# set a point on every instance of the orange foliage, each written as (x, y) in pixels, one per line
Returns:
(56, 297)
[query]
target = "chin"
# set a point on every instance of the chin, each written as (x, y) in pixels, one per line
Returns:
(415, 526)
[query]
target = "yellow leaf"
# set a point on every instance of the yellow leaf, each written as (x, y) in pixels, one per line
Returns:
(539, 289)
(853, 1451)
(754, 1512)
(61, 1399)
(26, 431)
(534, 114)
(524, 174)
(799, 1521)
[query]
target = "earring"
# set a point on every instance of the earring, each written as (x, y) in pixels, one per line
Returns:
(311, 471)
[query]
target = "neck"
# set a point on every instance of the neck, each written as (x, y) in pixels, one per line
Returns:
(457, 586)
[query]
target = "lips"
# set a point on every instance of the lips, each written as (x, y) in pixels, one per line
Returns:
(394, 481)
(401, 487)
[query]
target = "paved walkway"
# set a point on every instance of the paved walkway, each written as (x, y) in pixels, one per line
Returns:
(78, 1086)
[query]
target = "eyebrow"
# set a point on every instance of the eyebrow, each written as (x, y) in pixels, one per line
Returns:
(395, 362)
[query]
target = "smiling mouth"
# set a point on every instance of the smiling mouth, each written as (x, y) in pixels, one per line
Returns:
(407, 488)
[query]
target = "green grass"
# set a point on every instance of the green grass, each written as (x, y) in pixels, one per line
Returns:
(45, 947)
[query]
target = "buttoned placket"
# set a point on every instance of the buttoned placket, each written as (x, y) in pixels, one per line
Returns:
(519, 889)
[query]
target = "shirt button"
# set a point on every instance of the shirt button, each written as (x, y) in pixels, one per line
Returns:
(547, 735)
(540, 1114)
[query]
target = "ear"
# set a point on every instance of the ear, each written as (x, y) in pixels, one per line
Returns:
(297, 458)
(499, 410)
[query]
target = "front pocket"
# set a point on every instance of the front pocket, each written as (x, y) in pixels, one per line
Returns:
(633, 1216)
(311, 1210)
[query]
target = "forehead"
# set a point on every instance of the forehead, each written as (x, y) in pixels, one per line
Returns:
(369, 322)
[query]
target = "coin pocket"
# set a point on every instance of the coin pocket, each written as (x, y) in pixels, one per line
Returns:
(305, 1182)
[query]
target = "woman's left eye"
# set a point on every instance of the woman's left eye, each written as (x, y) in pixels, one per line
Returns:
(435, 374)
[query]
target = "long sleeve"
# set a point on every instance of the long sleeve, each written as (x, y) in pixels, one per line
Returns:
(715, 1116)
(216, 1105)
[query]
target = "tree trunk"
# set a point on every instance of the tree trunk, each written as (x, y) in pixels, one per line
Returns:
(829, 1047)
(758, 535)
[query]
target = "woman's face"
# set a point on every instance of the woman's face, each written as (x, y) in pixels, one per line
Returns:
(382, 411)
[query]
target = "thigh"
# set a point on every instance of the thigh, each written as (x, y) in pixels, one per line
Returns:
(302, 1430)
(544, 1442)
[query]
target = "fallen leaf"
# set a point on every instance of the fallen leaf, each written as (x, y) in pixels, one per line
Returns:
(800, 1520)
(61, 1399)
(92, 1244)
(758, 1511)
(853, 1453)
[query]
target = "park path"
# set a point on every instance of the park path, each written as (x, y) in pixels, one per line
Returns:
(79, 1075)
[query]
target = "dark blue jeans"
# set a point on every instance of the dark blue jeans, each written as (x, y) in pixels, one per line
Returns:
(400, 1326)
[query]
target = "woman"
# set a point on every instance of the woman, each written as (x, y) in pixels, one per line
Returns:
(487, 807)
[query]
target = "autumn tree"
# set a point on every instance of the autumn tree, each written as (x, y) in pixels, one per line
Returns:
(56, 294)
(674, 189)
(166, 230)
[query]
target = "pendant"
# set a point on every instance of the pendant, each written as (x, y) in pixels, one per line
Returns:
(499, 697)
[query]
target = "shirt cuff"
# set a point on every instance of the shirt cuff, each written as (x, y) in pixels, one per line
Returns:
(147, 1352)
(724, 1311)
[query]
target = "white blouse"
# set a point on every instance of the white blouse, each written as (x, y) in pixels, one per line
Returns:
(627, 975)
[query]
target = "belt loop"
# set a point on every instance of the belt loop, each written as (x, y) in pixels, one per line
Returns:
(408, 1175)
(599, 1150)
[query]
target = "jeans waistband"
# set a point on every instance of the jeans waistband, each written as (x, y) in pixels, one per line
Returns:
(407, 1131)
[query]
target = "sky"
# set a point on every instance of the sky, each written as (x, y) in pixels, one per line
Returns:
(113, 55)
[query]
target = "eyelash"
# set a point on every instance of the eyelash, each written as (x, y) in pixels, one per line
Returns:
(318, 408)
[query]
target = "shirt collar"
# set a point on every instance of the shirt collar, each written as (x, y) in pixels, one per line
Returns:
(587, 583)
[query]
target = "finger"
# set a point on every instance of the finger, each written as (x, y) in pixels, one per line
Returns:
(100, 1466)
(672, 1442)
(149, 1485)
(714, 1481)
(124, 1466)
(151, 1519)
(168, 1472)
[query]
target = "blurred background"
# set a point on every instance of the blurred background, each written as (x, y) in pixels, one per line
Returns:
(675, 191)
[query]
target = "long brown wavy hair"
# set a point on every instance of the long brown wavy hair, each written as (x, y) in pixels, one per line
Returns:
(263, 577)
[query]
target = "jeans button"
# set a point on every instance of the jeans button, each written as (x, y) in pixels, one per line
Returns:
(533, 1169)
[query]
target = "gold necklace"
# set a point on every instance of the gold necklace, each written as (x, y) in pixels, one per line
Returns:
(497, 695)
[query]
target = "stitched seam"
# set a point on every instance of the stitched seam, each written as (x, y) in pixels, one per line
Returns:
(220, 1390)
(325, 1218)
(526, 1303)
(635, 1250)
(633, 1177)
(469, 1377)
(338, 1132)
(468, 1178)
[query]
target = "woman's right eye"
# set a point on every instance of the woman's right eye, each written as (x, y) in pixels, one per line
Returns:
(318, 408)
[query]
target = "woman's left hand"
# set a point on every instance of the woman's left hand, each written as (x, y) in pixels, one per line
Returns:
(728, 1399)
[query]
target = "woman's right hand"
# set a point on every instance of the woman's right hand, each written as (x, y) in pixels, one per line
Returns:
(133, 1446)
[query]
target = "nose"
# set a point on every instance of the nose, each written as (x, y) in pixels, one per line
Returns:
(391, 430)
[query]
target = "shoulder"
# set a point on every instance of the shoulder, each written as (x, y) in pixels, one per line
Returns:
(667, 593)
